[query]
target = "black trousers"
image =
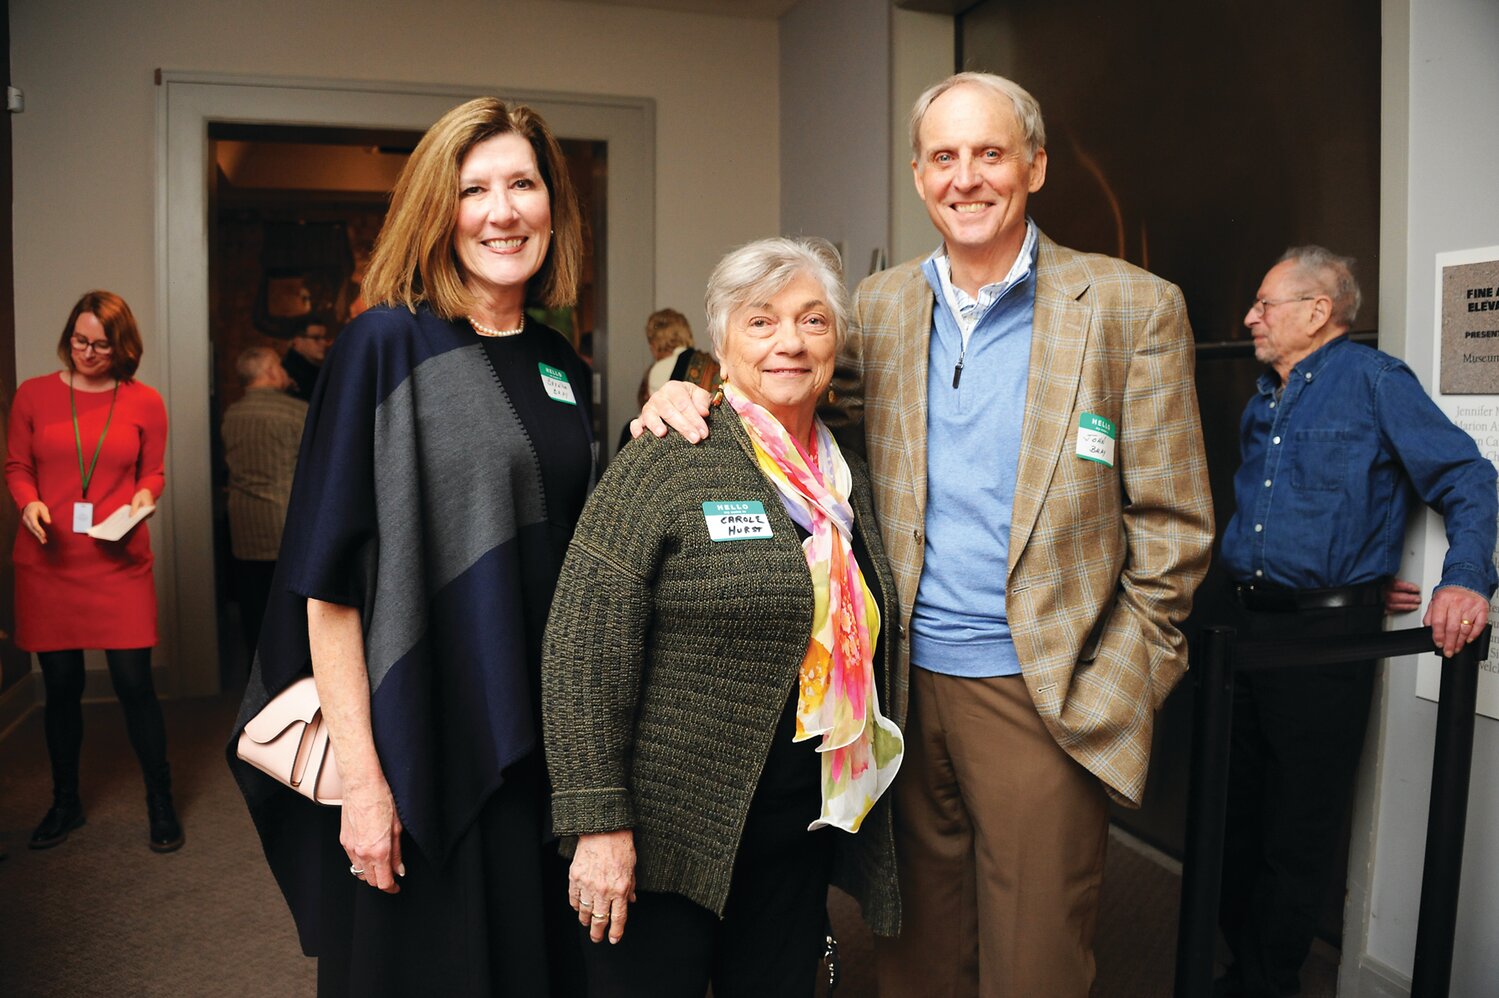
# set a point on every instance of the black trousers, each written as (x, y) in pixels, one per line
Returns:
(769, 941)
(1297, 738)
(252, 587)
(773, 929)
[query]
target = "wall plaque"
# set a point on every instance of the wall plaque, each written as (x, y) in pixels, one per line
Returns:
(1470, 328)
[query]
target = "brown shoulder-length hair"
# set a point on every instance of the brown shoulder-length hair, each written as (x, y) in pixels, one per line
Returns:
(119, 325)
(414, 260)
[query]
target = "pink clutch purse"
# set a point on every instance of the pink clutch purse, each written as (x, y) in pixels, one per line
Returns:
(288, 741)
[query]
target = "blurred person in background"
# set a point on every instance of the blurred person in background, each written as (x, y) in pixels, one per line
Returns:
(261, 432)
(85, 441)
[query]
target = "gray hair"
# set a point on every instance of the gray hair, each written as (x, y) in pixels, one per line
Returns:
(1025, 107)
(254, 362)
(759, 270)
(1331, 275)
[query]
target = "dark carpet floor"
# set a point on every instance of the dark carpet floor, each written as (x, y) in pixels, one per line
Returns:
(102, 915)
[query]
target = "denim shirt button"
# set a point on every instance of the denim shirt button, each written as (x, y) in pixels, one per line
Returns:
(1267, 483)
(1275, 440)
(1258, 527)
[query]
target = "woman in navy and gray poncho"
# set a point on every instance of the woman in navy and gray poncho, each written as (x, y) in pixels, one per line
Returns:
(448, 452)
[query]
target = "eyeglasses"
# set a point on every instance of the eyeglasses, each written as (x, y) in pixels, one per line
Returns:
(1262, 304)
(84, 345)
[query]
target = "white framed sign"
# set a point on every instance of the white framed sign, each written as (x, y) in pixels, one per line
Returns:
(1466, 364)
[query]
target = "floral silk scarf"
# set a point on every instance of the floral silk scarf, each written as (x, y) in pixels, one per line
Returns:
(861, 749)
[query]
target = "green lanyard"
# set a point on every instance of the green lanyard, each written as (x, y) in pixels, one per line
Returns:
(88, 475)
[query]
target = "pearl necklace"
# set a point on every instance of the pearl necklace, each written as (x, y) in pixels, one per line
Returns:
(484, 330)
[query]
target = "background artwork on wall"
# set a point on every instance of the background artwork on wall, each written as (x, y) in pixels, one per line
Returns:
(1473, 404)
(1469, 297)
(306, 269)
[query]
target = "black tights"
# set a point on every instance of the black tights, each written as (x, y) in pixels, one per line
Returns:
(130, 671)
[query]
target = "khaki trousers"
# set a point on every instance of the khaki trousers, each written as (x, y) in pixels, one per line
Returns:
(1000, 838)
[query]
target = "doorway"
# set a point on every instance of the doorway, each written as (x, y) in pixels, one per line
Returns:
(294, 211)
(613, 139)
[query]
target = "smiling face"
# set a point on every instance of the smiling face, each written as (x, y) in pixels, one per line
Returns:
(89, 362)
(780, 352)
(974, 176)
(504, 220)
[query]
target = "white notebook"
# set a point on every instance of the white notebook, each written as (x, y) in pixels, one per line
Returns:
(119, 523)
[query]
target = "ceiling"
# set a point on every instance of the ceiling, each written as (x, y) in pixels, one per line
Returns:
(723, 8)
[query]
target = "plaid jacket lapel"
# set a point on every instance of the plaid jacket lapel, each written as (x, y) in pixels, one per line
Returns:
(915, 310)
(1059, 337)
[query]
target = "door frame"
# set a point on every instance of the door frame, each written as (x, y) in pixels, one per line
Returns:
(186, 103)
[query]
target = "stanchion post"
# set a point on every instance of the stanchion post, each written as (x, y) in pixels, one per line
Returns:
(1446, 821)
(1207, 802)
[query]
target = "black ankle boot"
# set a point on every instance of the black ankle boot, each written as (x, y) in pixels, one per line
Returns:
(65, 814)
(166, 830)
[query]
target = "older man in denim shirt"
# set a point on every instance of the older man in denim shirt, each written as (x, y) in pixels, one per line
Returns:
(1336, 443)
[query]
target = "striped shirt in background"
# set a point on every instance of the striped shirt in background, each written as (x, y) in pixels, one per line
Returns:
(262, 433)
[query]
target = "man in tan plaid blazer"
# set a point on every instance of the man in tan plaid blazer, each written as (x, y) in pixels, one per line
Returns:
(1000, 806)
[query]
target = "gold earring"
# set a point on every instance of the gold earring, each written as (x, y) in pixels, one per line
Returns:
(832, 396)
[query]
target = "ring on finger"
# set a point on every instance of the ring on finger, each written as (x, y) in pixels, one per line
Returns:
(599, 918)
(585, 905)
(355, 870)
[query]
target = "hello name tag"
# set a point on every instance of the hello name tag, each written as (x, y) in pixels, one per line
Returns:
(83, 517)
(1096, 437)
(736, 521)
(556, 384)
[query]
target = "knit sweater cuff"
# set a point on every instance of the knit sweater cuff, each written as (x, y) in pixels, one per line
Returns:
(583, 812)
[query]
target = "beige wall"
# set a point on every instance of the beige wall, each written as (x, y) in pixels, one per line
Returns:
(85, 211)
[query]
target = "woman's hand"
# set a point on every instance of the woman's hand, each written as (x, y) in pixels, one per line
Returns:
(33, 516)
(369, 829)
(370, 833)
(141, 498)
(601, 882)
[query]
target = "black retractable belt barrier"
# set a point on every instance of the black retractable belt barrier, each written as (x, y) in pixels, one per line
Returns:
(1217, 657)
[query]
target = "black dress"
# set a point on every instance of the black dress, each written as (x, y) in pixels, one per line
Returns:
(437, 489)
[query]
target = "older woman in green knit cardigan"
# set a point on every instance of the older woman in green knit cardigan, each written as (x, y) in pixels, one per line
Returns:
(715, 669)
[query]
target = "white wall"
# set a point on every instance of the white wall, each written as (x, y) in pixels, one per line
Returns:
(835, 126)
(1440, 84)
(84, 148)
(921, 54)
(85, 170)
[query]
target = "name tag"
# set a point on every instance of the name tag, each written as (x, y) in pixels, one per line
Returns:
(83, 517)
(1096, 437)
(556, 384)
(736, 521)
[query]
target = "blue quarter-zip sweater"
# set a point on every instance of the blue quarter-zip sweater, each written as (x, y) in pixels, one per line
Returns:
(959, 626)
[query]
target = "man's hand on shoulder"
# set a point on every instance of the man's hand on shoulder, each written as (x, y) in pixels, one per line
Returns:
(676, 405)
(1456, 616)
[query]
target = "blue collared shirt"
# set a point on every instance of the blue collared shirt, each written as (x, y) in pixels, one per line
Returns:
(1331, 466)
(966, 308)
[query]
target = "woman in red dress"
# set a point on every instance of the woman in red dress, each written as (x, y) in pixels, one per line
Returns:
(84, 442)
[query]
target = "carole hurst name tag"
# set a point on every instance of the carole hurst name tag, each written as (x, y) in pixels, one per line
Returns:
(1095, 439)
(736, 521)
